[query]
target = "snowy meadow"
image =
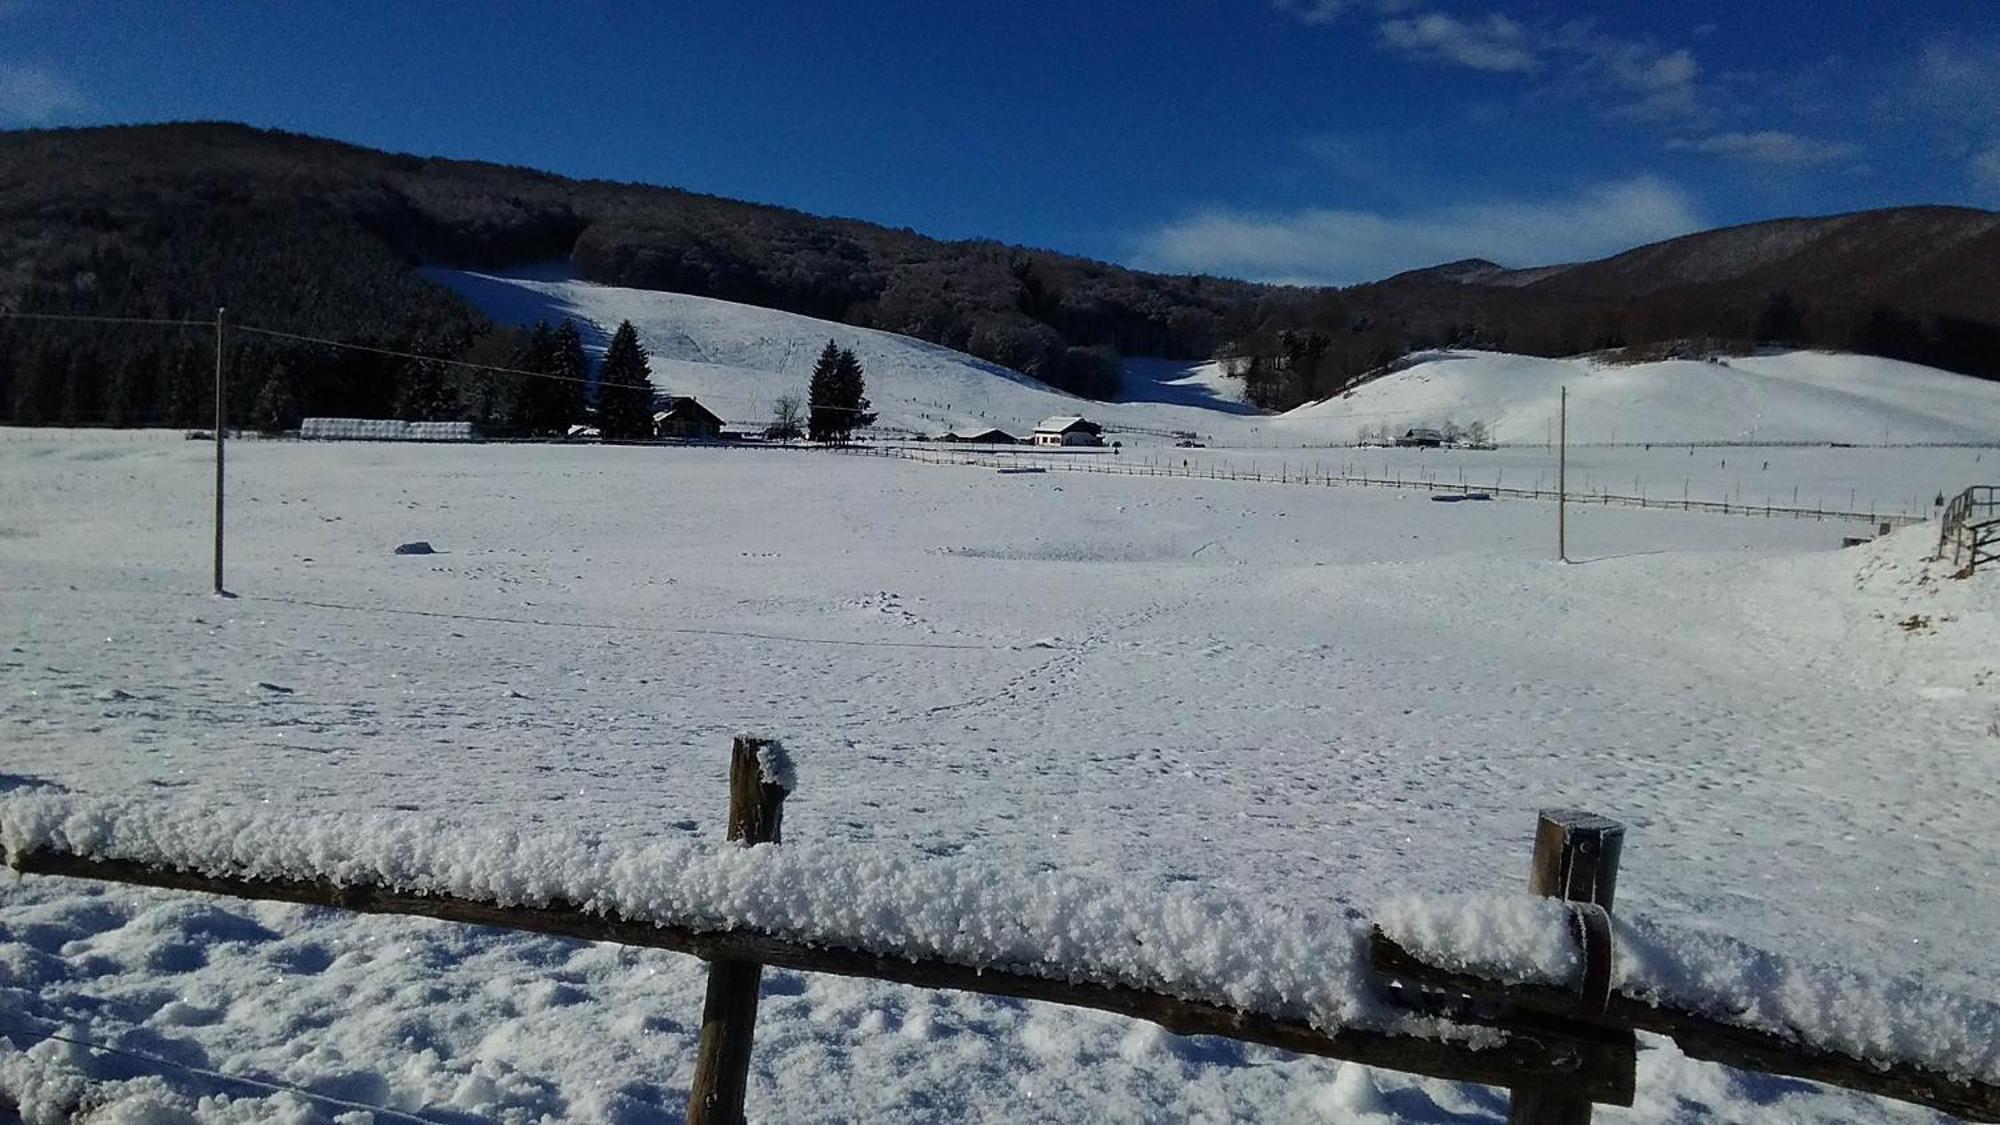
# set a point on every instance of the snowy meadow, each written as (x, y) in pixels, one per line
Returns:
(1317, 699)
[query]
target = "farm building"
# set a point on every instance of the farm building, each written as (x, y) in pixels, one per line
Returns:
(989, 436)
(1068, 431)
(687, 420)
(1421, 437)
(384, 429)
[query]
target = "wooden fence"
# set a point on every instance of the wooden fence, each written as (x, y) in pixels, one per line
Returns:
(1971, 528)
(1558, 1050)
(1096, 461)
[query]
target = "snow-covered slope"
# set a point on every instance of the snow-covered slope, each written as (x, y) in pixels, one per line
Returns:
(1773, 396)
(738, 358)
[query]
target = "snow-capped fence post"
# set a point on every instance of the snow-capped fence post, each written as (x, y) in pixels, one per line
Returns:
(759, 778)
(1576, 859)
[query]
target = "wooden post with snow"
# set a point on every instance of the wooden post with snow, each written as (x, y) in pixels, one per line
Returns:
(1576, 859)
(759, 778)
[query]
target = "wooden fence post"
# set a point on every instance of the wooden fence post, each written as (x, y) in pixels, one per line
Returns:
(729, 1014)
(1576, 859)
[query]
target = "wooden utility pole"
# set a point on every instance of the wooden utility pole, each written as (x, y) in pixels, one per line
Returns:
(221, 426)
(1562, 484)
(729, 1014)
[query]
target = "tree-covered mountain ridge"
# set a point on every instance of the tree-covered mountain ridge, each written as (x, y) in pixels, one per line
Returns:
(322, 237)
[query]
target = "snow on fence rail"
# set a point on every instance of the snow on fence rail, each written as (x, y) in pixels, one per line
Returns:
(1095, 462)
(1483, 992)
(1971, 528)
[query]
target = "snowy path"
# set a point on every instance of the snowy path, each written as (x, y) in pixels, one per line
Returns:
(1297, 694)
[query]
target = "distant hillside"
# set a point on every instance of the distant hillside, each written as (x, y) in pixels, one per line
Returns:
(1770, 396)
(316, 236)
(1920, 284)
(738, 359)
(328, 239)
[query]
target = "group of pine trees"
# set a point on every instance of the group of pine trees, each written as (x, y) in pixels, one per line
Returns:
(836, 400)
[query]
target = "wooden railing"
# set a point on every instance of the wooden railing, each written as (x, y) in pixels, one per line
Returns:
(1971, 529)
(1559, 1050)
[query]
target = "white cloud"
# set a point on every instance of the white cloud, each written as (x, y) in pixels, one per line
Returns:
(1956, 79)
(1495, 43)
(1647, 82)
(1328, 11)
(1986, 167)
(1331, 246)
(1770, 147)
(1312, 11)
(33, 94)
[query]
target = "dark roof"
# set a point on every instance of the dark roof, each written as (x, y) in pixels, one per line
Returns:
(685, 408)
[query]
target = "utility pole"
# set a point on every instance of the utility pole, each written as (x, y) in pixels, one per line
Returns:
(1563, 493)
(221, 425)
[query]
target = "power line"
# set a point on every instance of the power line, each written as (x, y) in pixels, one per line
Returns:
(82, 319)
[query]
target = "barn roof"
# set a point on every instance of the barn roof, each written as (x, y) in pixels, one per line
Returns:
(1063, 424)
(684, 406)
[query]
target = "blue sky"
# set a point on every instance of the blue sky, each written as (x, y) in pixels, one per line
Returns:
(1307, 140)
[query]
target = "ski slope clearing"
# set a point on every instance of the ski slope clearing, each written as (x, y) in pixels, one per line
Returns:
(1790, 396)
(1320, 700)
(738, 359)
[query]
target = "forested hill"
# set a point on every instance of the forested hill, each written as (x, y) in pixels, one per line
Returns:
(322, 238)
(316, 236)
(1913, 283)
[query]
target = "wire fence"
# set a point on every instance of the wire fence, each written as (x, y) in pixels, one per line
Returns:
(1319, 475)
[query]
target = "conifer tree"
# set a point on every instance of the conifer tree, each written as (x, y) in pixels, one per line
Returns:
(822, 406)
(535, 401)
(625, 389)
(573, 369)
(853, 394)
(275, 410)
(424, 394)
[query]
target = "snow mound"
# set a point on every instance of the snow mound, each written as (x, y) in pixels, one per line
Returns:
(1769, 397)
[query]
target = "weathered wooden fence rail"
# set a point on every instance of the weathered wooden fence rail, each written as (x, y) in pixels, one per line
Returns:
(1558, 1050)
(1971, 528)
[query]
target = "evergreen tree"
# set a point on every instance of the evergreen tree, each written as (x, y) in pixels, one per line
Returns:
(837, 401)
(853, 396)
(574, 369)
(276, 410)
(535, 406)
(625, 389)
(822, 395)
(424, 394)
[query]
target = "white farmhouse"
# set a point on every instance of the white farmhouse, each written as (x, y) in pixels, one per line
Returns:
(1068, 431)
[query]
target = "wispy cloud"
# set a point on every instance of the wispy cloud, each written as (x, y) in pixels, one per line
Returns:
(1957, 79)
(1495, 43)
(35, 94)
(1634, 80)
(1643, 81)
(1986, 168)
(1770, 147)
(1313, 11)
(1331, 246)
(1951, 90)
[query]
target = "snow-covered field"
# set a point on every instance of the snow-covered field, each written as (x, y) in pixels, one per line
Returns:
(1320, 699)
